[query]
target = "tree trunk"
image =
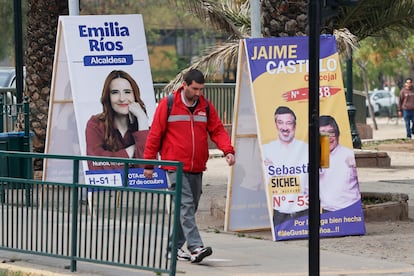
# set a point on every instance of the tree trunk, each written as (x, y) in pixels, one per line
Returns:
(42, 19)
(284, 18)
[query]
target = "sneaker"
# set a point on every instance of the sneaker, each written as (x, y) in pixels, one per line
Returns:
(181, 255)
(198, 254)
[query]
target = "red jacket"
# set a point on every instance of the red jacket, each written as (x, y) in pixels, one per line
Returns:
(184, 137)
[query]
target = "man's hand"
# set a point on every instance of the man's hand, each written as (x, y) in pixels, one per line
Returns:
(230, 159)
(148, 173)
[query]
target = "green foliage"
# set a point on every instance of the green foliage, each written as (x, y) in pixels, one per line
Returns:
(397, 92)
(174, 19)
(172, 15)
(377, 18)
(384, 62)
(11, 273)
(7, 28)
(164, 74)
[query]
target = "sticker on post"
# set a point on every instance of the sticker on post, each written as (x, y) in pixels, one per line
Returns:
(104, 177)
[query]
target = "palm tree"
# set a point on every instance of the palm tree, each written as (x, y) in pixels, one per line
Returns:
(42, 20)
(289, 18)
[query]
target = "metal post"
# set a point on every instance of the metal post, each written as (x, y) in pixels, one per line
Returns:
(18, 46)
(356, 141)
(73, 7)
(26, 124)
(27, 148)
(74, 228)
(255, 18)
(314, 12)
(1, 112)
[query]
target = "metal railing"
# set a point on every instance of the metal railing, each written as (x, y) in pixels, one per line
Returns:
(119, 225)
(9, 109)
(221, 95)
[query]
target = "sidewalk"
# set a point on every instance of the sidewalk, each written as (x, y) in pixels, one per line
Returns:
(388, 128)
(374, 179)
(250, 254)
(233, 256)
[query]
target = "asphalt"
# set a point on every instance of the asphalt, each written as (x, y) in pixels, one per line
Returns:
(241, 255)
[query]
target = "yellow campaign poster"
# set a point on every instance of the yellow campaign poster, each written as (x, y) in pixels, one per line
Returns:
(279, 77)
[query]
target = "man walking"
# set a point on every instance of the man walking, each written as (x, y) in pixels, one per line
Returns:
(406, 106)
(180, 133)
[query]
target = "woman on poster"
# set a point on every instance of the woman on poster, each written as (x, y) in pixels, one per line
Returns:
(121, 129)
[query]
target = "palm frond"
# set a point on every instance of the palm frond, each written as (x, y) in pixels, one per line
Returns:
(217, 55)
(213, 57)
(377, 17)
(223, 16)
(346, 42)
(240, 17)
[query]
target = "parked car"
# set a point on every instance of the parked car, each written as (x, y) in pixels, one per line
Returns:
(383, 102)
(7, 77)
(8, 80)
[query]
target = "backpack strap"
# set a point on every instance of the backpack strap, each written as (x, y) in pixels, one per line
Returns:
(207, 109)
(170, 100)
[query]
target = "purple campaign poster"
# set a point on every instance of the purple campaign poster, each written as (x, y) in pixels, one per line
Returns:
(279, 72)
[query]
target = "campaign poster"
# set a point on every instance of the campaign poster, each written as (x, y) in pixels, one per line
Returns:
(88, 49)
(246, 203)
(279, 69)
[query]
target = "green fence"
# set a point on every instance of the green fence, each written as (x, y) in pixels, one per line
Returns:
(14, 141)
(119, 225)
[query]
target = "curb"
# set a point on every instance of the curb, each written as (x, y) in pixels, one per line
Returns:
(16, 270)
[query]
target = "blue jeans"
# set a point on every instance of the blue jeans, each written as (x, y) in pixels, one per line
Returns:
(409, 122)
